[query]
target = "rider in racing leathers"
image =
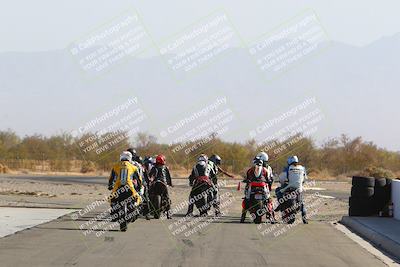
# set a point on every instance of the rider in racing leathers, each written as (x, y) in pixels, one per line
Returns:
(121, 184)
(293, 177)
(148, 164)
(215, 162)
(270, 176)
(256, 173)
(141, 185)
(161, 173)
(201, 169)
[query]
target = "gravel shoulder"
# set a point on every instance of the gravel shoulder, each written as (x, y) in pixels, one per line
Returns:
(64, 193)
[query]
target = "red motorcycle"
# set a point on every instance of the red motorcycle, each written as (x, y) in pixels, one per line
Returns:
(257, 202)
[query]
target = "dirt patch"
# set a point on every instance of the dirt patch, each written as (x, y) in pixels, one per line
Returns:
(26, 190)
(26, 193)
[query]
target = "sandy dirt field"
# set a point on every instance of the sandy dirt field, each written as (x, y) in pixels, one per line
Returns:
(332, 196)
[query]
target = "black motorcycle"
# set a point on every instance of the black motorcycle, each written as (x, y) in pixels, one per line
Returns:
(158, 193)
(124, 209)
(291, 204)
(202, 193)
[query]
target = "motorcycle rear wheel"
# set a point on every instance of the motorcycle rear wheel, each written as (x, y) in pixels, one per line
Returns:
(258, 207)
(157, 206)
(123, 225)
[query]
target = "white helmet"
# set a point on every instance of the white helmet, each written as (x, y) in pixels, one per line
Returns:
(263, 156)
(292, 159)
(125, 155)
(202, 157)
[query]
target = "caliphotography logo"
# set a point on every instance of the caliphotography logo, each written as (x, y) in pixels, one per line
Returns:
(110, 44)
(289, 44)
(177, 133)
(199, 44)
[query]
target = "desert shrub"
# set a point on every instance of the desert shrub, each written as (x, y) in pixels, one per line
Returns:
(60, 165)
(336, 156)
(378, 172)
(88, 166)
(4, 168)
(317, 174)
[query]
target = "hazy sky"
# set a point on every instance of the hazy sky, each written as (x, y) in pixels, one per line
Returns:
(47, 24)
(345, 72)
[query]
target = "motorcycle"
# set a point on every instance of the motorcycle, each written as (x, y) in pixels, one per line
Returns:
(124, 209)
(158, 198)
(257, 202)
(145, 207)
(202, 192)
(290, 205)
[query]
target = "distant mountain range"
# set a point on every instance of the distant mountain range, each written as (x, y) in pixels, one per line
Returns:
(357, 89)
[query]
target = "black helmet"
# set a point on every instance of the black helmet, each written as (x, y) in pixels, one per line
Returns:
(258, 161)
(139, 159)
(133, 152)
(216, 159)
(148, 161)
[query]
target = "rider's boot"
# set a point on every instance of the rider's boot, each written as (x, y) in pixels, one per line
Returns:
(217, 211)
(243, 217)
(244, 210)
(273, 218)
(169, 215)
(189, 213)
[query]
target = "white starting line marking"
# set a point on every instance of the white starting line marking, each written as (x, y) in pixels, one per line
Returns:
(325, 196)
(230, 186)
(315, 188)
(13, 220)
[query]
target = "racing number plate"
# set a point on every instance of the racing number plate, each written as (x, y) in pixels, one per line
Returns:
(258, 196)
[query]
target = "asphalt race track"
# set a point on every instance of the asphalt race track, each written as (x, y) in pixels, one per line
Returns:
(202, 242)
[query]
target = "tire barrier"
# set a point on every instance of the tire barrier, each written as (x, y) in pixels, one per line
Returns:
(363, 181)
(382, 194)
(388, 189)
(369, 196)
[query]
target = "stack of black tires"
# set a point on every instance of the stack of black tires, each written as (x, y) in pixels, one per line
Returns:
(369, 195)
(382, 193)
